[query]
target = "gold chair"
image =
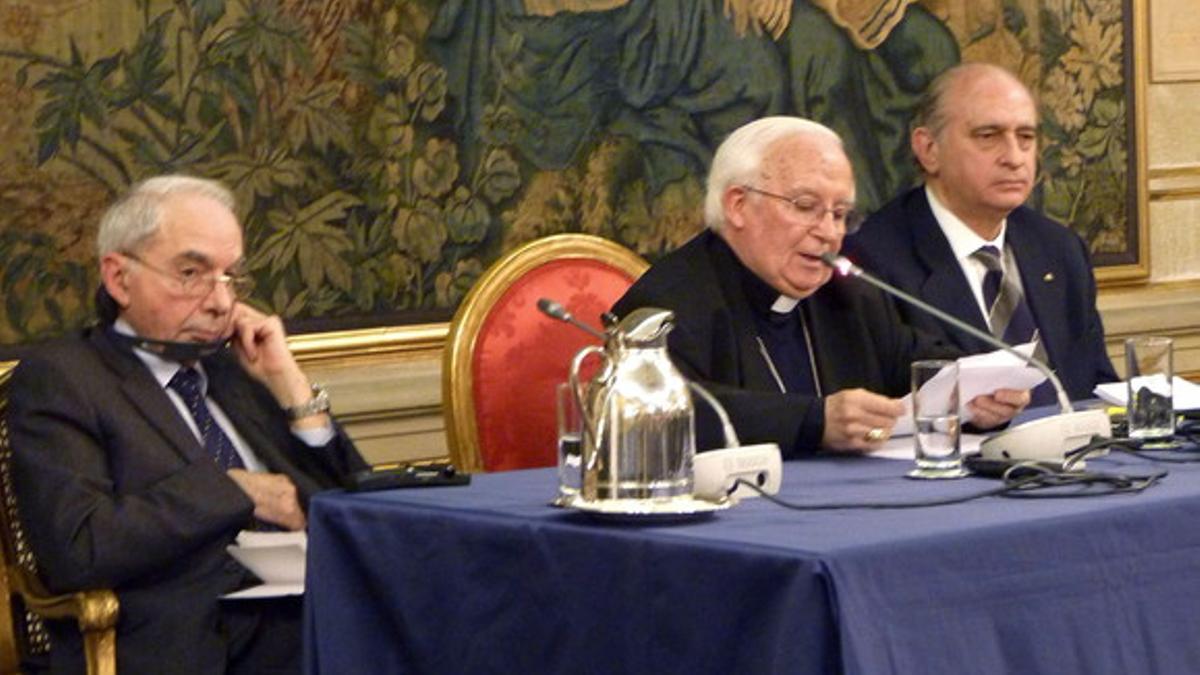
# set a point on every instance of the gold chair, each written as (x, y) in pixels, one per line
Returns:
(504, 358)
(25, 600)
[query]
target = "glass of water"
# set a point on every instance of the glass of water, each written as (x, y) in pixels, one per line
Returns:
(935, 418)
(1149, 368)
(570, 444)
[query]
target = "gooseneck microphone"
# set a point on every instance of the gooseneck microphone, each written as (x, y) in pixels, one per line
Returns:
(1043, 439)
(846, 267)
(555, 310)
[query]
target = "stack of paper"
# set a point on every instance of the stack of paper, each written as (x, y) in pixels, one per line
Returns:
(1184, 394)
(275, 557)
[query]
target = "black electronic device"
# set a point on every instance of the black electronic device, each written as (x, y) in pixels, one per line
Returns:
(1007, 468)
(407, 476)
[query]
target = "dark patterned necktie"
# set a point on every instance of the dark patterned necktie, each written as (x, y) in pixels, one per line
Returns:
(1008, 313)
(186, 383)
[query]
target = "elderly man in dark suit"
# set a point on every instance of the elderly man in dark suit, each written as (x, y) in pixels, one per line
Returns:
(797, 357)
(966, 243)
(142, 447)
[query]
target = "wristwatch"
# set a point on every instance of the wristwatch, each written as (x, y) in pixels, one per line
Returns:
(319, 403)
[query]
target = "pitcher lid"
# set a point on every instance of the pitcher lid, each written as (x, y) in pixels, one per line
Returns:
(646, 325)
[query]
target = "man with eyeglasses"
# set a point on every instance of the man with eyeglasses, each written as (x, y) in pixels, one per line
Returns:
(143, 446)
(796, 357)
(966, 243)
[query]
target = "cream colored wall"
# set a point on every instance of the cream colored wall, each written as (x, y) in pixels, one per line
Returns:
(1169, 302)
(391, 402)
(1173, 145)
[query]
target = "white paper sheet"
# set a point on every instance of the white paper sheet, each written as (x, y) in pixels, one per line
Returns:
(275, 557)
(1184, 394)
(979, 374)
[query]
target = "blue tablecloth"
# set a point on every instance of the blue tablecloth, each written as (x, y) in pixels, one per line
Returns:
(490, 579)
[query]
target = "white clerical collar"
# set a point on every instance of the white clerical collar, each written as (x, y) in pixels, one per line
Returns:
(783, 304)
(963, 240)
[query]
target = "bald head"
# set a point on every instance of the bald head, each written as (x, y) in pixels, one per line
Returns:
(939, 99)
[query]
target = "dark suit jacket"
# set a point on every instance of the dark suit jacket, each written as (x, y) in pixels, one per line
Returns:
(858, 341)
(115, 491)
(904, 245)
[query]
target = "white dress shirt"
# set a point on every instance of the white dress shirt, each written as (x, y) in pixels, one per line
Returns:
(964, 242)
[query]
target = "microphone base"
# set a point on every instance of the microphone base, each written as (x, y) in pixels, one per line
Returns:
(1048, 439)
(717, 470)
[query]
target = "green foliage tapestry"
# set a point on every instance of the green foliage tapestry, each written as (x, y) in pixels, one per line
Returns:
(385, 152)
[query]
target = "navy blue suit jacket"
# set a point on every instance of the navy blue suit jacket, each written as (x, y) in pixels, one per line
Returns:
(903, 244)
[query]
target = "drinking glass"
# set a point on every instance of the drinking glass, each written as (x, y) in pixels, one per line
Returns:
(1149, 368)
(935, 419)
(570, 444)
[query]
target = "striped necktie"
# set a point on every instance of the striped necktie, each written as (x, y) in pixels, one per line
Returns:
(186, 382)
(1008, 314)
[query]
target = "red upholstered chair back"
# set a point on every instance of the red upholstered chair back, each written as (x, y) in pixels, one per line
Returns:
(504, 358)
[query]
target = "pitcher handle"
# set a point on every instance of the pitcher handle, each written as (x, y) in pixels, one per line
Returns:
(591, 425)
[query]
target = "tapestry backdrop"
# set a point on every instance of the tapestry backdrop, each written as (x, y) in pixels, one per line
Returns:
(384, 152)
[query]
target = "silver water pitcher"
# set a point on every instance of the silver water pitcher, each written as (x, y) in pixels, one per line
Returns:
(639, 424)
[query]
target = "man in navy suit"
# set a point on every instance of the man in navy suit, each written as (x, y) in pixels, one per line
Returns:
(975, 138)
(142, 447)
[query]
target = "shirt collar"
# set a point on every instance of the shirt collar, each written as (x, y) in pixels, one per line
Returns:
(963, 240)
(162, 369)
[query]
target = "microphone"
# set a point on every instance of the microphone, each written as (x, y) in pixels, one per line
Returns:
(1045, 439)
(555, 310)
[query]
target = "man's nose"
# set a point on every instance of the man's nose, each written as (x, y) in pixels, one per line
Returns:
(828, 227)
(222, 298)
(1012, 154)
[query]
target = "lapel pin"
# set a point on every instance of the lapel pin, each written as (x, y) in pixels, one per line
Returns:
(1048, 277)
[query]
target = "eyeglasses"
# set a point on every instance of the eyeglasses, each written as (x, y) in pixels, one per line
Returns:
(810, 212)
(196, 283)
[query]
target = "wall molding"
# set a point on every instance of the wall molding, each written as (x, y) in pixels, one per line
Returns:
(1174, 182)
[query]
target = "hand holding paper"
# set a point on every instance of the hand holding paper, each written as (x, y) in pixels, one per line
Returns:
(980, 375)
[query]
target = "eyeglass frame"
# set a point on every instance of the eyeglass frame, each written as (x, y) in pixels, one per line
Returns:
(239, 285)
(850, 220)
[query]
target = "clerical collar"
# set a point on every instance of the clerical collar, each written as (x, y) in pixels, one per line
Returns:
(784, 304)
(763, 299)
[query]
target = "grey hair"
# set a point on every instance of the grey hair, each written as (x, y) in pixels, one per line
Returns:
(739, 158)
(137, 215)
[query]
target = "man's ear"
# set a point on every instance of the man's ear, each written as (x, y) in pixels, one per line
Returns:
(925, 149)
(733, 202)
(114, 274)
